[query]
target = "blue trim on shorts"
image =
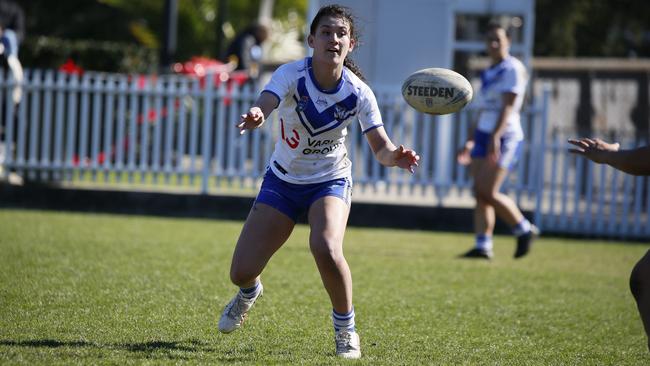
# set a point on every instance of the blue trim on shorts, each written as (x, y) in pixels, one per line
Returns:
(294, 200)
(510, 149)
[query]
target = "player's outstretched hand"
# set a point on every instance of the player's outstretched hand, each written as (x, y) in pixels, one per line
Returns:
(251, 120)
(406, 158)
(593, 149)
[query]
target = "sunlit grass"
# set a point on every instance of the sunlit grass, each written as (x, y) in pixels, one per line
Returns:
(107, 289)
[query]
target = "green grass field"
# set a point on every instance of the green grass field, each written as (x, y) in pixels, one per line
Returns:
(103, 289)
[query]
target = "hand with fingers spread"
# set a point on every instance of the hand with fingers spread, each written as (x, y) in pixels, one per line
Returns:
(251, 120)
(594, 149)
(406, 158)
(633, 161)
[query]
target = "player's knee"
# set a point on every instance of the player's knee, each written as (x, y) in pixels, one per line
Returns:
(484, 194)
(640, 277)
(325, 251)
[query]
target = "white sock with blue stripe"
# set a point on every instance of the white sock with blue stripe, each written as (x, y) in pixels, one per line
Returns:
(521, 228)
(484, 242)
(250, 292)
(343, 321)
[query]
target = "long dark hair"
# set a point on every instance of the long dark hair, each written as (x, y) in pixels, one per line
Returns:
(339, 11)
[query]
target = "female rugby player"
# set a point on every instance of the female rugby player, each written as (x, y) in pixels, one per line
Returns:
(496, 146)
(309, 171)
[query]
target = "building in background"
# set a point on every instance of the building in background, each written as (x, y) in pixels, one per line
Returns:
(398, 38)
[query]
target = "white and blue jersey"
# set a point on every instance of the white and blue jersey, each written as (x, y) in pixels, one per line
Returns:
(508, 76)
(314, 121)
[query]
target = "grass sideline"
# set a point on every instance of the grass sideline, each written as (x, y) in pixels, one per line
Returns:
(110, 289)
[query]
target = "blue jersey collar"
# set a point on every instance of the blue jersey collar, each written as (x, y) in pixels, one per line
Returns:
(315, 82)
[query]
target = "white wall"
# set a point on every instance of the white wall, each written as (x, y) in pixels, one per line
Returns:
(399, 37)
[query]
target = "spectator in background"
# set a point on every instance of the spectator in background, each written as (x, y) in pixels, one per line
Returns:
(246, 49)
(12, 32)
(635, 162)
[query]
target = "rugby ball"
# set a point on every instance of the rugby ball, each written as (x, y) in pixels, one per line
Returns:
(437, 91)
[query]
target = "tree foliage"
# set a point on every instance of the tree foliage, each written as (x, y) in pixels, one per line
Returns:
(140, 22)
(587, 28)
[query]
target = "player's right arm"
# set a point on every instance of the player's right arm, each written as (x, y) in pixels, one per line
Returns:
(274, 92)
(464, 153)
(635, 161)
(387, 154)
(263, 106)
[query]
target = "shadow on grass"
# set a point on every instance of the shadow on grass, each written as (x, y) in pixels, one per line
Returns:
(47, 343)
(161, 349)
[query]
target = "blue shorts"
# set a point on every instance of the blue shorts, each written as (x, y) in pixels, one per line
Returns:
(510, 149)
(295, 199)
(10, 42)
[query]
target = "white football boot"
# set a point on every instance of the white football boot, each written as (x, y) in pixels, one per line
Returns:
(235, 312)
(347, 344)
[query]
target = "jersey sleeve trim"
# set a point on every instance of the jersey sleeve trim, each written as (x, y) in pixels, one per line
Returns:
(371, 128)
(272, 93)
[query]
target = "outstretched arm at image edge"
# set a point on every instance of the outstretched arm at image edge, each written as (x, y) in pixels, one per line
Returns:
(634, 161)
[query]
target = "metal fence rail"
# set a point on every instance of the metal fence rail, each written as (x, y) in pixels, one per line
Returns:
(171, 131)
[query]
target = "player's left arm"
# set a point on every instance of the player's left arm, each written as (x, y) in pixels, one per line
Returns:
(388, 154)
(513, 84)
(508, 104)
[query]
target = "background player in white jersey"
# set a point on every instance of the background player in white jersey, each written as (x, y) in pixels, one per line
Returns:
(496, 145)
(317, 98)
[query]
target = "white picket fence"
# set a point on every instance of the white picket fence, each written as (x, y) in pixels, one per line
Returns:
(171, 131)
